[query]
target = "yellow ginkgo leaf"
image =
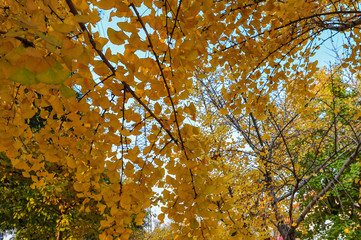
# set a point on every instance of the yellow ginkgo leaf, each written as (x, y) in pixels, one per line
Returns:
(116, 37)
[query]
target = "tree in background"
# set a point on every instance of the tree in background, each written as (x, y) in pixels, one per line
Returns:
(337, 214)
(49, 212)
(271, 174)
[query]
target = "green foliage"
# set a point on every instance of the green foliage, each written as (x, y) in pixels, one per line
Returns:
(41, 212)
(338, 214)
(24, 209)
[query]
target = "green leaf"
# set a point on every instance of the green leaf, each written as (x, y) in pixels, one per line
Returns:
(56, 75)
(66, 91)
(23, 76)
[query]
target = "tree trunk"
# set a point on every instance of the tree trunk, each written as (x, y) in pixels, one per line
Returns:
(59, 236)
(286, 232)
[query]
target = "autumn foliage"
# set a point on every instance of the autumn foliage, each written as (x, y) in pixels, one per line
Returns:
(219, 104)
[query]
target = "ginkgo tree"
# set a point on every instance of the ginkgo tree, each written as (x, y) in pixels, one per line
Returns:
(279, 171)
(52, 56)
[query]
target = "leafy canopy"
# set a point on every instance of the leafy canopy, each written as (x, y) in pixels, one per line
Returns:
(103, 100)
